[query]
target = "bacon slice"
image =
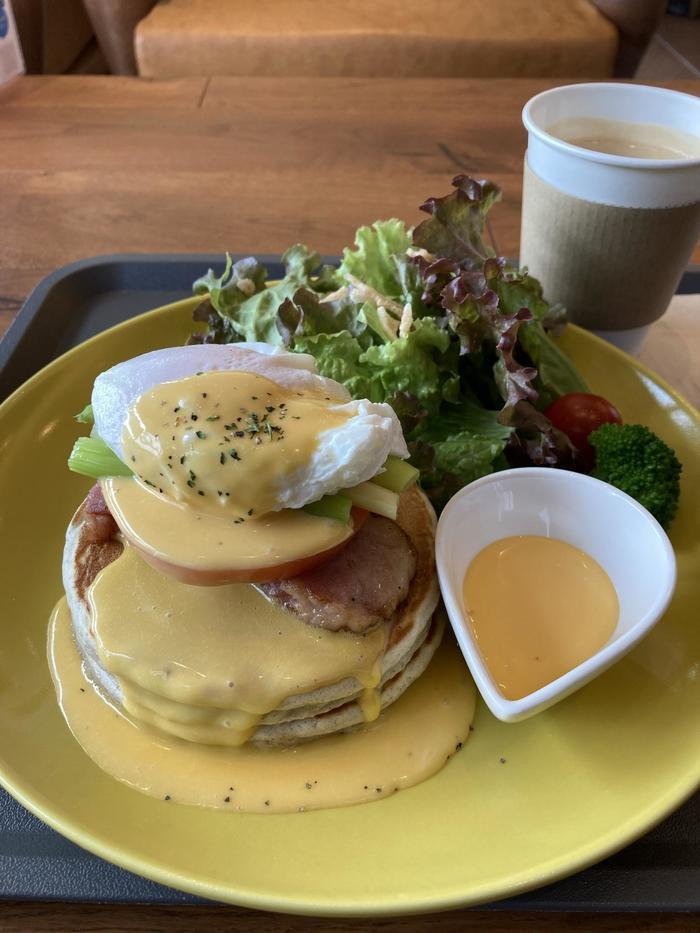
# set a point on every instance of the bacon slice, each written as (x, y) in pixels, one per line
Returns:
(358, 588)
(100, 527)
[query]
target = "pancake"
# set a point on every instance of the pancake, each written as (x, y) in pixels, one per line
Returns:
(411, 639)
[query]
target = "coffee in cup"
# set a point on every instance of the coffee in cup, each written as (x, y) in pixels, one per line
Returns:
(611, 201)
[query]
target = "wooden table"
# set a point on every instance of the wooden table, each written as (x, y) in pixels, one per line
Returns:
(102, 165)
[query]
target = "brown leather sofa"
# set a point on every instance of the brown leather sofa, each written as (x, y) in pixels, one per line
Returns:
(368, 38)
(55, 35)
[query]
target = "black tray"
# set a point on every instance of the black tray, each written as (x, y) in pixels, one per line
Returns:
(660, 872)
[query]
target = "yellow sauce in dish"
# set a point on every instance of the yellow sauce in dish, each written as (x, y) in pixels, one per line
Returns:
(538, 607)
(410, 741)
(225, 440)
(207, 663)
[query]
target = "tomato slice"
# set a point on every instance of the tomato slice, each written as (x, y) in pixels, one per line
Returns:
(219, 577)
(578, 415)
(215, 547)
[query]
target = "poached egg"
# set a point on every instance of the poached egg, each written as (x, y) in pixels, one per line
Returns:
(247, 426)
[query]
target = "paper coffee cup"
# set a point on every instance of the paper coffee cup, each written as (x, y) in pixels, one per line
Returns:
(609, 236)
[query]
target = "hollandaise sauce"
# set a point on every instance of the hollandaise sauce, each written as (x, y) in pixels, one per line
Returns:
(208, 663)
(181, 535)
(538, 607)
(226, 440)
(407, 743)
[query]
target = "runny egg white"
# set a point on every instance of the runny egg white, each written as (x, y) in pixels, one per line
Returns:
(349, 452)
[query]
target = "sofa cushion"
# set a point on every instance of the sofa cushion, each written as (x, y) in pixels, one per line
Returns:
(368, 38)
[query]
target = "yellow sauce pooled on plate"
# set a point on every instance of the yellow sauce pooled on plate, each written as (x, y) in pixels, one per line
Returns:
(538, 607)
(410, 741)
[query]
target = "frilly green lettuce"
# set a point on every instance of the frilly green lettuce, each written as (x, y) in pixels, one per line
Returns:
(429, 320)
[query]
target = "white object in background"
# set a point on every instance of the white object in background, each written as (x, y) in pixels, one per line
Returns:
(609, 235)
(621, 181)
(631, 341)
(11, 60)
(614, 529)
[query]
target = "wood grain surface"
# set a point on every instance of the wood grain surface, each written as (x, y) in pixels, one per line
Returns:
(92, 165)
(102, 918)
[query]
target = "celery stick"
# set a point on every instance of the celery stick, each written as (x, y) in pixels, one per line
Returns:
(335, 507)
(92, 457)
(374, 498)
(397, 476)
(85, 416)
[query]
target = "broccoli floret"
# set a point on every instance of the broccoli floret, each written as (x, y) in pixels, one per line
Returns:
(639, 463)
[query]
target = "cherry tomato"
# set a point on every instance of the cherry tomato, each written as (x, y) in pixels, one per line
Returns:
(292, 568)
(577, 415)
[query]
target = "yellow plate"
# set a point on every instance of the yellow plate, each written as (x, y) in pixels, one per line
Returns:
(520, 806)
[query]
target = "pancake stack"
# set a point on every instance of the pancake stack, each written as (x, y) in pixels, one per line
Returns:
(409, 640)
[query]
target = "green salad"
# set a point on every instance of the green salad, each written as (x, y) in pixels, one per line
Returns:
(455, 338)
